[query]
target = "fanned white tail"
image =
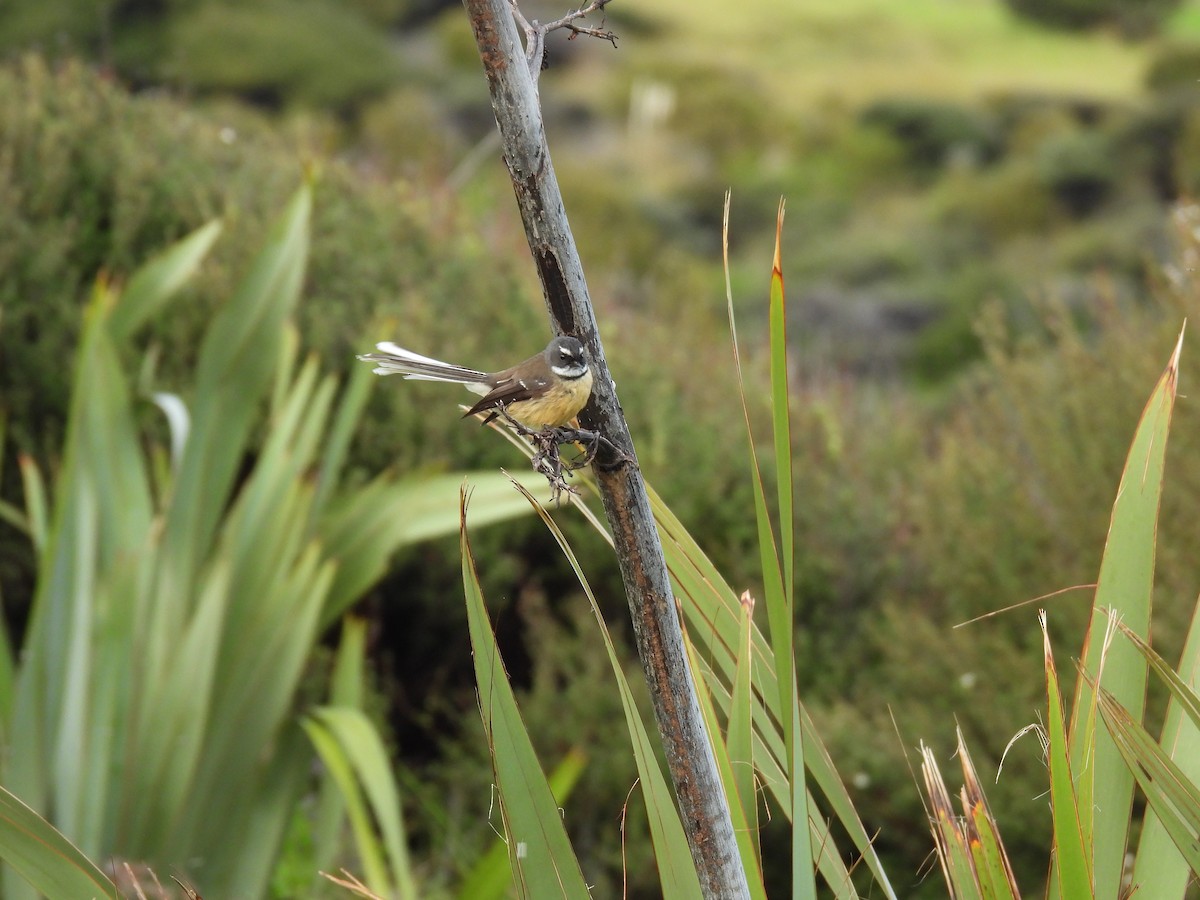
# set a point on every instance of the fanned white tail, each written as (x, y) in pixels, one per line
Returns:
(394, 360)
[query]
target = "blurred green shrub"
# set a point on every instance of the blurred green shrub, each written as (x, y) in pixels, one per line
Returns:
(1123, 248)
(719, 112)
(825, 171)
(1080, 169)
(96, 179)
(935, 134)
(452, 30)
(1174, 65)
(1148, 141)
(307, 52)
(1134, 18)
(311, 52)
(93, 181)
(1003, 201)
(382, 12)
(1186, 162)
(406, 133)
(54, 26)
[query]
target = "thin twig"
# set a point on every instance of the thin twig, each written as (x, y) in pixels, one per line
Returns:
(535, 32)
(568, 20)
(582, 12)
(610, 36)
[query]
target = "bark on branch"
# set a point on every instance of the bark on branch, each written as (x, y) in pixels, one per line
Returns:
(655, 619)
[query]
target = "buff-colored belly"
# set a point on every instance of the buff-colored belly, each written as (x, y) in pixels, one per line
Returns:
(560, 407)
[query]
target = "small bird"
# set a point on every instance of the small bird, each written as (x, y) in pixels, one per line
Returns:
(548, 389)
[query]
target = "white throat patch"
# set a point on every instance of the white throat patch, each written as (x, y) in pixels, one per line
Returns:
(576, 370)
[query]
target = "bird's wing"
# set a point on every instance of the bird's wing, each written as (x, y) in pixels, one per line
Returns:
(508, 391)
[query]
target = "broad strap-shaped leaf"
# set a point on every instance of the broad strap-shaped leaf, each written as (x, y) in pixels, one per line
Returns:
(155, 698)
(744, 833)
(1160, 866)
(361, 530)
(782, 610)
(102, 509)
(786, 742)
(238, 359)
(711, 608)
(676, 871)
(768, 751)
(543, 861)
(159, 280)
(1174, 797)
(347, 688)
(777, 589)
(1125, 586)
(1072, 869)
(490, 877)
(353, 750)
(47, 860)
(780, 467)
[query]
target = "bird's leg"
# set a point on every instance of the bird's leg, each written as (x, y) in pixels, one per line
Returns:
(592, 442)
(547, 459)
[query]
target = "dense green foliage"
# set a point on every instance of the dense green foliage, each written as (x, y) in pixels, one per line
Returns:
(313, 51)
(1133, 17)
(96, 180)
(150, 711)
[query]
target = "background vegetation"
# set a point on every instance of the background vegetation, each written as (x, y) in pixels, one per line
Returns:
(982, 247)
